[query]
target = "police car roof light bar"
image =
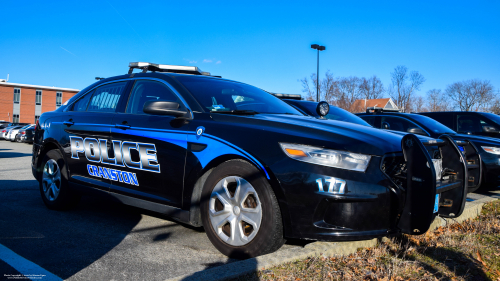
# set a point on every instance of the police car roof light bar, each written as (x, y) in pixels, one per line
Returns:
(287, 96)
(376, 109)
(147, 66)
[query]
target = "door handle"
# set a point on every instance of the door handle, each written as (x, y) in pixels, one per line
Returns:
(68, 123)
(122, 126)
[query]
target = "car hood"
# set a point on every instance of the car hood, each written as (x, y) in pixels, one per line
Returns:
(326, 133)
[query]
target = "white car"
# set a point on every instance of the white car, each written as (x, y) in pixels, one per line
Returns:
(11, 135)
(5, 131)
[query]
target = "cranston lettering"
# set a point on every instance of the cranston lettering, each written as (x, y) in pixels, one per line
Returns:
(112, 174)
(96, 150)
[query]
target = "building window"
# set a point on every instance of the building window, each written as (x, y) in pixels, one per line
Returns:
(36, 118)
(15, 118)
(58, 99)
(17, 95)
(38, 97)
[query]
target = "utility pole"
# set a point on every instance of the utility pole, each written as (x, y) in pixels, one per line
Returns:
(319, 48)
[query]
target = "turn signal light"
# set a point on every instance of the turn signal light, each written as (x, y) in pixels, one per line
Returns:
(296, 152)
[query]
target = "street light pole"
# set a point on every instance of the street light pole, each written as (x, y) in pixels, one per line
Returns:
(319, 48)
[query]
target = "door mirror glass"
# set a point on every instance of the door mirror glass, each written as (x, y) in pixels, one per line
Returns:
(163, 108)
(490, 129)
(416, 131)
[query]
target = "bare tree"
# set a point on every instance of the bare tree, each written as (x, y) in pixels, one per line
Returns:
(348, 92)
(470, 95)
(495, 104)
(306, 87)
(404, 85)
(437, 101)
(418, 104)
(371, 88)
(327, 87)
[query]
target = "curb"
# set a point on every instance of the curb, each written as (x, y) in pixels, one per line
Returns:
(239, 268)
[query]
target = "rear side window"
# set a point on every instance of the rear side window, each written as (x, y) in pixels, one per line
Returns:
(106, 98)
(81, 104)
(397, 124)
(144, 91)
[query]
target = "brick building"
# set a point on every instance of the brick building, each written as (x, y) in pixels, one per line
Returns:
(25, 103)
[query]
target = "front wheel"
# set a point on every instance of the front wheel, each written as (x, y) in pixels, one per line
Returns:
(240, 211)
(54, 188)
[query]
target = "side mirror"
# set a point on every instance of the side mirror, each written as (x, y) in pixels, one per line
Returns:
(322, 108)
(386, 126)
(163, 108)
(416, 131)
(490, 129)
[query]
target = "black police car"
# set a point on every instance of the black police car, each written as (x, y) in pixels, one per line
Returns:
(488, 149)
(243, 164)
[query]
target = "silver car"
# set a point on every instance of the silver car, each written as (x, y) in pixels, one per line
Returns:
(14, 131)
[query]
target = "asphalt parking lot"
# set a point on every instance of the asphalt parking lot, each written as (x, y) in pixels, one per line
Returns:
(98, 240)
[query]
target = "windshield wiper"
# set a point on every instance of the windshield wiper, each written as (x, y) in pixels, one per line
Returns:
(237, 112)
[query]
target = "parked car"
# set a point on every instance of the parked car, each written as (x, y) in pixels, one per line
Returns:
(26, 135)
(470, 123)
(335, 113)
(487, 148)
(5, 132)
(249, 168)
(14, 131)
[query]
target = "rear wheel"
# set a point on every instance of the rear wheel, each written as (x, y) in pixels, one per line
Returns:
(240, 211)
(54, 188)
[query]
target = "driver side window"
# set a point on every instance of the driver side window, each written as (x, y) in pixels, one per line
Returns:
(146, 90)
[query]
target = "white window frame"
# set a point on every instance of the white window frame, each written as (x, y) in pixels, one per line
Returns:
(19, 89)
(36, 97)
(60, 103)
(18, 118)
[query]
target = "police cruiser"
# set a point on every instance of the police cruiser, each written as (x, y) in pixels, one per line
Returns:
(249, 168)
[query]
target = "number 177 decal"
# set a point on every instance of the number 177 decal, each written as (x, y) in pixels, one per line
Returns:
(335, 186)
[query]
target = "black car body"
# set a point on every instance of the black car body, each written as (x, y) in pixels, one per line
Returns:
(331, 181)
(427, 126)
(469, 123)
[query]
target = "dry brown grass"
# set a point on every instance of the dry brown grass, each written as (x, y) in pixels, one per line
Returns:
(466, 251)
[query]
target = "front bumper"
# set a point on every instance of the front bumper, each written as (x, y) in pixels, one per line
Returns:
(372, 204)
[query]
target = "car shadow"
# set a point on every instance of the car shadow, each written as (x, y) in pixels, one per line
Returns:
(62, 242)
(13, 154)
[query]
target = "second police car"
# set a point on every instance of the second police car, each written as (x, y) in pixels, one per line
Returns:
(243, 164)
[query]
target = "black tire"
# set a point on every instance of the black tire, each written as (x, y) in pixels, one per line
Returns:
(269, 236)
(18, 138)
(66, 197)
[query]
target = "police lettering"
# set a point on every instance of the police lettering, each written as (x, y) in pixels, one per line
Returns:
(96, 150)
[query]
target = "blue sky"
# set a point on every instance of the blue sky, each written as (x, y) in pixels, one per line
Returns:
(266, 44)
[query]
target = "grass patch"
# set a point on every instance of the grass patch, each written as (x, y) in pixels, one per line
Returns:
(466, 251)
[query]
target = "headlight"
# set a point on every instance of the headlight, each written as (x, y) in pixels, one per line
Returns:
(491, 149)
(327, 157)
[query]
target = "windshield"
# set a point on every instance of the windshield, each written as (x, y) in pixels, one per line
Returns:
(221, 96)
(335, 113)
(432, 124)
(493, 117)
